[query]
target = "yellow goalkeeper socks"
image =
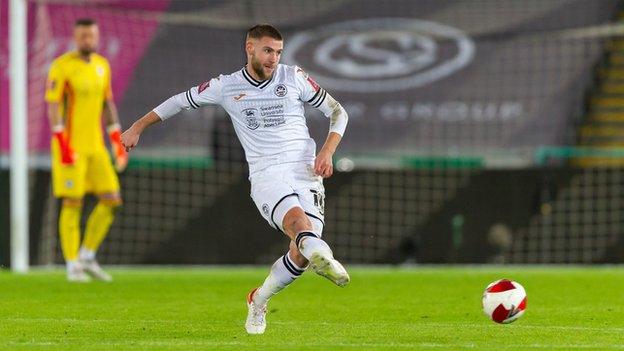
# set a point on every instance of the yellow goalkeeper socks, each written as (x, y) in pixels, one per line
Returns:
(69, 231)
(98, 224)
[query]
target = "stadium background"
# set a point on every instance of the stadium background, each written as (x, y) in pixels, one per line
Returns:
(480, 131)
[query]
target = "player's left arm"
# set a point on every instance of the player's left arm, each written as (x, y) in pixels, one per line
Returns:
(113, 127)
(312, 93)
(338, 117)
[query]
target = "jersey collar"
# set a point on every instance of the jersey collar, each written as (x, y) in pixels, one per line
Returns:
(77, 56)
(257, 83)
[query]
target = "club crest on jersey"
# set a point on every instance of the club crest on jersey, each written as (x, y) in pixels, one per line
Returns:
(203, 87)
(100, 70)
(280, 90)
(265, 209)
(251, 118)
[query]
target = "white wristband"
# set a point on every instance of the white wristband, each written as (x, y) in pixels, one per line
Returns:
(113, 127)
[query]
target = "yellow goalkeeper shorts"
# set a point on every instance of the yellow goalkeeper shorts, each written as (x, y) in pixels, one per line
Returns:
(91, 173)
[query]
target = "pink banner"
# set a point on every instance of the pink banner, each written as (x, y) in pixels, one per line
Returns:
(126, 29)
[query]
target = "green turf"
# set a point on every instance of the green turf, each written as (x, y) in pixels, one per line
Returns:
(425, 308)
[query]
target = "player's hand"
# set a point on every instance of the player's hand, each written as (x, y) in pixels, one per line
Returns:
(119, 151)
(323, 164)
(130, 138)
(68, 157)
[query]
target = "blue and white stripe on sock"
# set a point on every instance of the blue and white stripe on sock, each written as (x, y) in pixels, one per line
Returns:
(309, 243)
(302, 235)
(283, 272)
(291, 266)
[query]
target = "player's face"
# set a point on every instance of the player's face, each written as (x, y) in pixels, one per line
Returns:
(265, 55)
(86, 38)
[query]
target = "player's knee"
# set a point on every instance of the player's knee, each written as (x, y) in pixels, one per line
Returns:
(72, 202)
(297, 223)
(112, 201)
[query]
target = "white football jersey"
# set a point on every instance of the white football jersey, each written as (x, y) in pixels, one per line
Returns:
(268, 116)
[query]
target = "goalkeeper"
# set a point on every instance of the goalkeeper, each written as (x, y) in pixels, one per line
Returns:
(78, 92)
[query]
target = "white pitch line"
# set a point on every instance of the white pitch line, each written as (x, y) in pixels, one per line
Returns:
(320, 344)
(606, 329)
(466, 325)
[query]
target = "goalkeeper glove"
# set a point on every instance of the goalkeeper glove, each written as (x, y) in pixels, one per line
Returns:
(67, 154)
(119, 151)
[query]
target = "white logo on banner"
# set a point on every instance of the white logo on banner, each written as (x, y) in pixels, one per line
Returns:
(380, 54)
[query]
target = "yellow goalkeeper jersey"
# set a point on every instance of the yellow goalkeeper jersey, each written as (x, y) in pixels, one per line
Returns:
(80, 88)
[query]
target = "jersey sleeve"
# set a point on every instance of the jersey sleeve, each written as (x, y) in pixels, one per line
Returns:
(206, 93)
(55, 83)
(318, 98)
(309, 90)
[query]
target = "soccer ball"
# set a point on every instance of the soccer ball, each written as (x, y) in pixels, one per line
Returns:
(504, 301)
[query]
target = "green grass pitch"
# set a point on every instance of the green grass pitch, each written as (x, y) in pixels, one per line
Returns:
(419, 308)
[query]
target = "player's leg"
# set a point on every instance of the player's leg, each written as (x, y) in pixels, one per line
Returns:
(281, 207)
(296, 224)
(68, 185)
(299, 228)
(273, 199)
(102, 180)
(284, 271)
(69, 233)
(98, 225)
(305, 225)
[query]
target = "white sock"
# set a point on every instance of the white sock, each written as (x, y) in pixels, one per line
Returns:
(71, 265)
(308, 244)
(86, 254)
(283, 272)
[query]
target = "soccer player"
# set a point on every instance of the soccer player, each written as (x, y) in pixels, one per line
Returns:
(78, 93)
(265, 100)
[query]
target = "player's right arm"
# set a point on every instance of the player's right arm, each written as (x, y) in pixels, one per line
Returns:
(54, 93)
(130, 138)
(207, 93)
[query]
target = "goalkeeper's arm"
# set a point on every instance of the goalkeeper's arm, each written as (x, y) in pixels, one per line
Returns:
(58, 131)
(114, 133)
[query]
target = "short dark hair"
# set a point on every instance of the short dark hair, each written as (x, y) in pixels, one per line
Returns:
(264, 30)
(84, 22)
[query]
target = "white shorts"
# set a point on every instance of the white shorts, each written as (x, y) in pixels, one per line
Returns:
(277, 189)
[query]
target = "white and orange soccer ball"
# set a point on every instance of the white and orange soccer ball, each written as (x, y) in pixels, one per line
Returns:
(504, 301)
